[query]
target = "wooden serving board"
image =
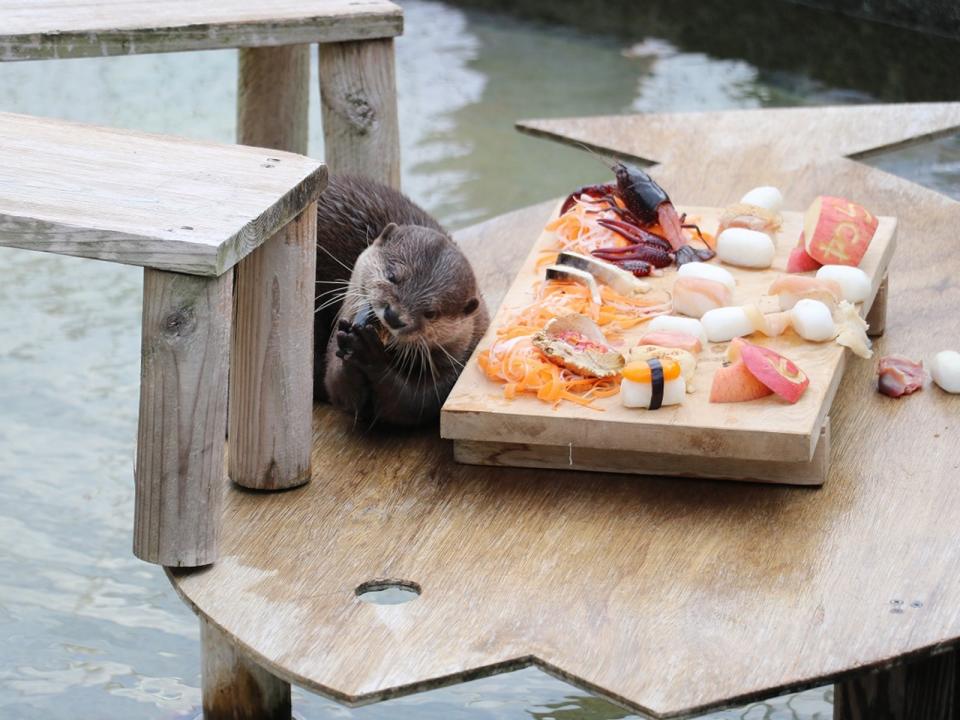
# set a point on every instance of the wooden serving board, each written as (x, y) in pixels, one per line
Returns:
(766, 440)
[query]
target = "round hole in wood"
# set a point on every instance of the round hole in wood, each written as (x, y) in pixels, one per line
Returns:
(388, 592)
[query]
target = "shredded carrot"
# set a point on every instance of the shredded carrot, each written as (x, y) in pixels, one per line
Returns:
(516, 362)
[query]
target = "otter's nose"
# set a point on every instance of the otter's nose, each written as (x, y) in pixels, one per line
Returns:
(393, 320)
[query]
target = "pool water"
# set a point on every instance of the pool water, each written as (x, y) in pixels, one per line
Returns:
(87, 631)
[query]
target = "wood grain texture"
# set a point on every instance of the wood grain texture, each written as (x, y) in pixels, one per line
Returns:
(151, 200)
(271, 378)
(41, 29)
(273, 97)
(877, 317)
(572, 457)
(235, 688)
(183, 409)
(924, 689)
(762, 430)
(358, 96)
(670, 597)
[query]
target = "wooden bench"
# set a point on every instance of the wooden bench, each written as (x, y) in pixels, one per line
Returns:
(355, 39)
(188, 213)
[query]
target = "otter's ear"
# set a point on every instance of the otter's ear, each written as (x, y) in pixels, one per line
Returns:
(471, 307)
(388, 232)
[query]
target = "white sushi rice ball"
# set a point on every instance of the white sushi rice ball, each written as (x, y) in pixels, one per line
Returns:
(726, 323)
(766, 196)
(707, 272)
(945, 370)
(854, 283)
(638, 394)
(672, 323)
(746, 248)
(812, 320)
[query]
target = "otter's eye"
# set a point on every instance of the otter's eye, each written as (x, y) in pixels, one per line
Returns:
(430, 314)
(392, 277)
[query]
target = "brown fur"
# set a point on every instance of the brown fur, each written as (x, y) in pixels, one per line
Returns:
(375, 249)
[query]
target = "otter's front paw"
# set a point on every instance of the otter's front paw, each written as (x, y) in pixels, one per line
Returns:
(361, 346)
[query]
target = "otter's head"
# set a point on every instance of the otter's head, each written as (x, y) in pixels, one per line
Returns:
(419, 285)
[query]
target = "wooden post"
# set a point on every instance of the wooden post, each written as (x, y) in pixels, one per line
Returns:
(183, 409)
(358, 95)
(273, 97)
(235, 688)
(925, 689)
(877, 317)
(271, 379)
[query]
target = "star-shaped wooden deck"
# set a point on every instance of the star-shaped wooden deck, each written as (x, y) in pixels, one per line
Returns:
(669, 596)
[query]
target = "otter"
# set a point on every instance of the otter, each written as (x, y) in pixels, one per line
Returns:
(398, 309)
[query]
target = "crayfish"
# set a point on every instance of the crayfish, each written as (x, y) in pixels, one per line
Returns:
(643, 207)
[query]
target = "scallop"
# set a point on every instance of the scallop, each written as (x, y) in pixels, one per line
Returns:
(945, 370)
(707, 272)
(726, 323)
(854, 283)
(766, 196)
(746, 248)
(812, 320)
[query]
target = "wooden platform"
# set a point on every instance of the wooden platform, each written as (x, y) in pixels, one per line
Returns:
(151, 200)
(669, 597)
(44, 29)
(699, 439)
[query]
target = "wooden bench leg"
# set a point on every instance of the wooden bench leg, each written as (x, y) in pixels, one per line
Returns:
(926, 689)
(877, 317)
(183, 410)
(358, 95)
(273, 97)
(271, 378)
(235, 688)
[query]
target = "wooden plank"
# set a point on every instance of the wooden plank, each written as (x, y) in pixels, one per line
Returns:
(271, 378)
(358, 96)
(924, 689)
(762, 430)
(658, 593)
(42, 29)
(236, 688)
(151, 200)
(571, 457)
(183, 410)
(273, 97)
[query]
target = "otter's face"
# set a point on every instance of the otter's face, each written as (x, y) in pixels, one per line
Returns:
(419, 285)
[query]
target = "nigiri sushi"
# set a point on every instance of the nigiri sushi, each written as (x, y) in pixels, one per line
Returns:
(708, 271)
(686, 360)
(790, 289)
(694, 296)
(651, 384)
(672, 339)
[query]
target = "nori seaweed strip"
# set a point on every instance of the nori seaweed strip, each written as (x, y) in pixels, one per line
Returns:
(656, 384)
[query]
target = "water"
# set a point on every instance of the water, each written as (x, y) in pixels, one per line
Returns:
(86, 631)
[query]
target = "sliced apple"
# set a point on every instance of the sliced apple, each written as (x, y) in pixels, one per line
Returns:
(774, 371)
(837, 231)
(798, 260)
(735, 383)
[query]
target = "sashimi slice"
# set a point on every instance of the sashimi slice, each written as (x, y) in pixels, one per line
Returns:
(672, 339)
